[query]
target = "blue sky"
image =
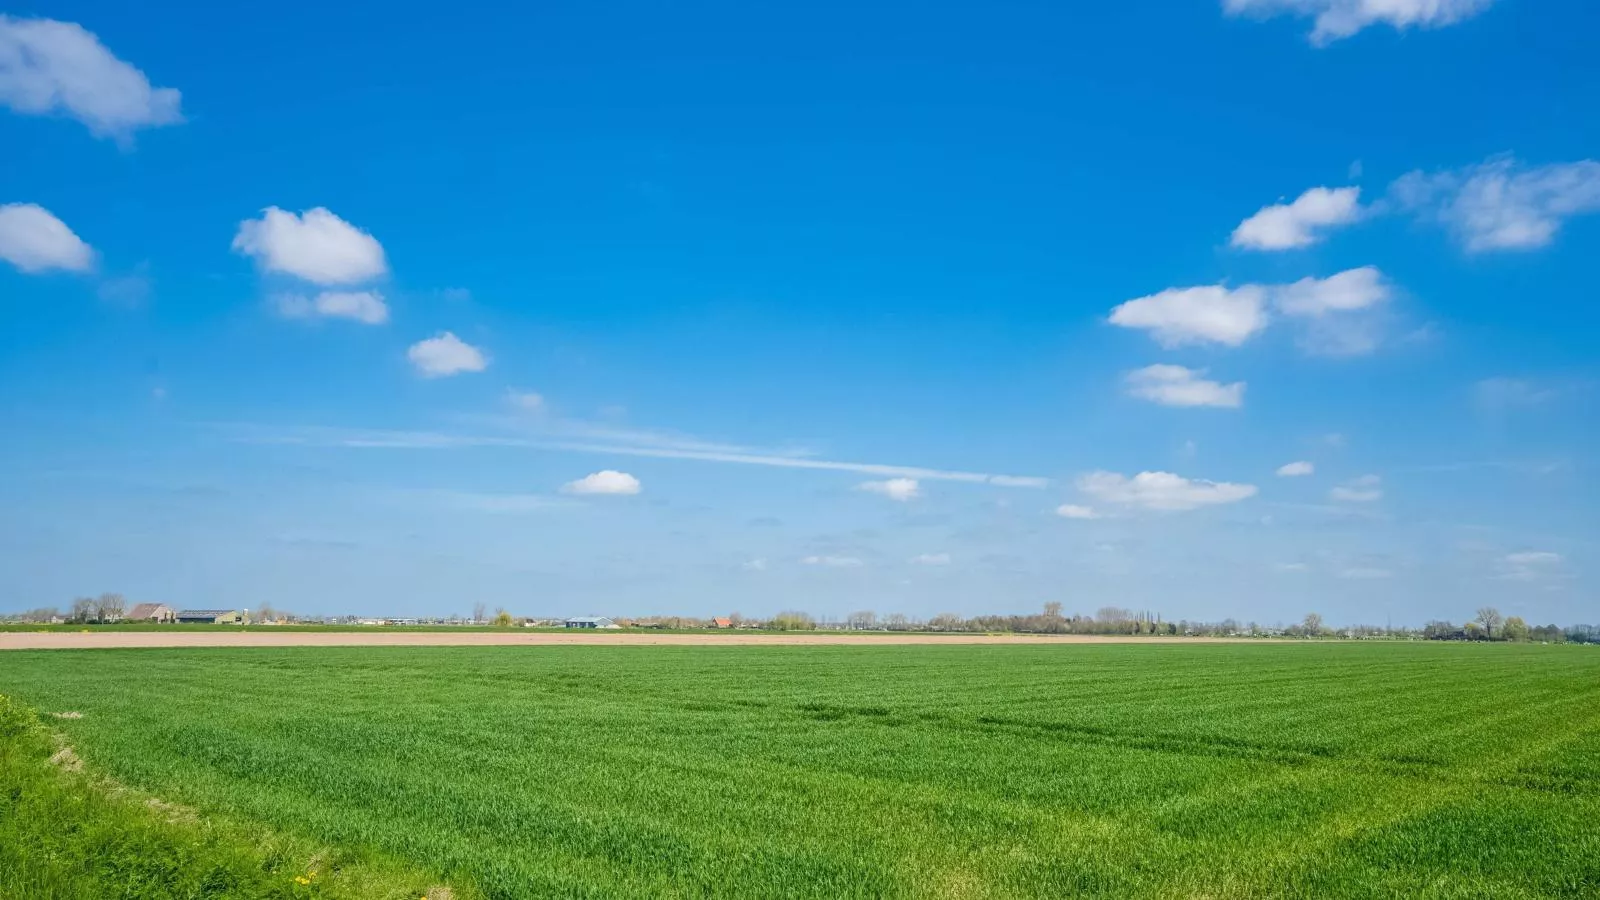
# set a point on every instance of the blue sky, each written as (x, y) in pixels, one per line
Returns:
(910, 307)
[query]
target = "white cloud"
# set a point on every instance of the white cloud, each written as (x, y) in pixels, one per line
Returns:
(1531, 565)
(1366, 489)
(1365, 573)
(931, 559)
(1501, 204)
(1336, 19)
(680, 449)
(527, 401)
(1292, 567)
(834, 562)
(901, 489)
(1178, 386)
(1296, 469)
(609, 481)
(1340, 312)
(445, 354)
(1501, 394)
(1161, 490)
(755, 565)
(1285, 226)
(1348, 291)
(49, 67)
(316, 246)
(1197, 315)
(1074, 511)
(35, 241)
(363, 306)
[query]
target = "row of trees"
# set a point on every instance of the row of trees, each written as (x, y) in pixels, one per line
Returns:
(1489, 625)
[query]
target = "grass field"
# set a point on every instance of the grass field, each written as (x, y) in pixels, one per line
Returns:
(1256, 770)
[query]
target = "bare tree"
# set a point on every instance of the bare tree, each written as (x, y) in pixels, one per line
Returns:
(1052, 610)
(947, 622)
(109, 606)
(479, 610)
(862, 620)
(82, 609)
(1489, 618)
(895, 621)
(1312, 624)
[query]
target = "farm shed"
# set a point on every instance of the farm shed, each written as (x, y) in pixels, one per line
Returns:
(590, 622)
(210, 617)
(151, 612)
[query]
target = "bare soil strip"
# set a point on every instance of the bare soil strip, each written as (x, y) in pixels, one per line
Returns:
(289, 638)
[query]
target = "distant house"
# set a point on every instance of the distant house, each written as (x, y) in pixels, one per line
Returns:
(590, 622)
(210, 617)
(151, 612)
(721, 622)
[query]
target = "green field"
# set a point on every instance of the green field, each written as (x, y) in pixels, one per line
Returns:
(1225, 770)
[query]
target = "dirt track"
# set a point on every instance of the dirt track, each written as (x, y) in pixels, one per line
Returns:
(59, 640)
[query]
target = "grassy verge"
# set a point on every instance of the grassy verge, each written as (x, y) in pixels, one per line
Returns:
(67, 833)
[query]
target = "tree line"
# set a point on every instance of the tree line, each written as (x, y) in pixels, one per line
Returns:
(1487, 625)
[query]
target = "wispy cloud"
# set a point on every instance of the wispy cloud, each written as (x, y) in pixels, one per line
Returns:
(686, 449)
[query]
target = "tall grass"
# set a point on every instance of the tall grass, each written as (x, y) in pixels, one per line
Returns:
(1318, 770)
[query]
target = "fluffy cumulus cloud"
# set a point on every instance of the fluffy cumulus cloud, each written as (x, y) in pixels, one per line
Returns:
(931, 559)
(1501, 204)
(315, 246)
(1348, 291)
(1338, 314)
(1285, 226)
(1162, 491)
(1336, 19)
(35, 241)
(1366, 489)
(445, 354)
(1197, 315)
(1296, 469)
(833, 562)
(58, 68)
(901, 489)
(607, 482)
(1179, 386)
(1075, 511)
(366, 307)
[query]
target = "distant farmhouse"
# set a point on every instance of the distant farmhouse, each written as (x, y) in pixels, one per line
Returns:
(151, 612)
(722, 622)
(211, 617)
(590, 622)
